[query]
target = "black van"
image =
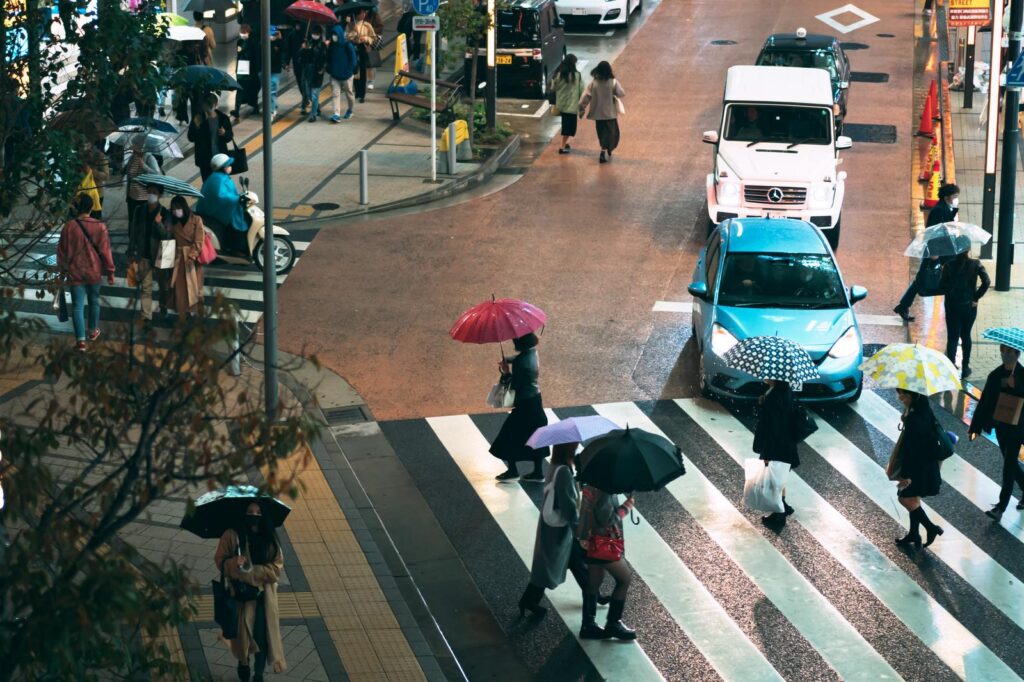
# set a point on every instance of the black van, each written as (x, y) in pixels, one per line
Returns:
(530, 44)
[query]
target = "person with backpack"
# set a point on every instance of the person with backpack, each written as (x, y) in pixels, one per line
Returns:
(1000, 409)
(915, 465)
(83, 257)
(775, 439)
(963, 282)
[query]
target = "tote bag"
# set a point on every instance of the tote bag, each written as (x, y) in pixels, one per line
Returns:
(207, 254)
(552, 516)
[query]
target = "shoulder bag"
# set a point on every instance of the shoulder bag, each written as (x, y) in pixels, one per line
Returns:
(1008, 409)
(207, 254)
(608, 547)
(803, 423)
(225, 608)
(549, 511)
(239, 159)
(619, 106)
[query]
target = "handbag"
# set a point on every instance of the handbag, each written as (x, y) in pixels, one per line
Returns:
(242, 68)
(550, 97)
(225, 608)
(373, 59)
(1008, 409)
(763, 483)
(892, 469)
(931, 282)
(207, 254)
(164, 255)
(501, 395)
(239, 159)
(803, 424)
(552, 516)
(60, 304)
(619, 106)
(609, 547)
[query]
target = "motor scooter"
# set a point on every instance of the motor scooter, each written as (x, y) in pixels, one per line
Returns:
(284, 250)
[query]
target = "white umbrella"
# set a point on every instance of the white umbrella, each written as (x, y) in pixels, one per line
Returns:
(946, 239)
(156, 141)
(183, 34)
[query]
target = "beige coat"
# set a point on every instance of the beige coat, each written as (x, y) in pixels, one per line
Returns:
(599, 100)
(265, 576)
(187, 278)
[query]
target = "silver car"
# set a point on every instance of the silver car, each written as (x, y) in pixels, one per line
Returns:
(775, 277)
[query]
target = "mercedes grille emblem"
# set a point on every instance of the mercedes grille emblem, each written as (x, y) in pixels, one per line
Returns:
(775, 195)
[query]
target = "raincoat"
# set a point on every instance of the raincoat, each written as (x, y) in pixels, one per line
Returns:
(220, 202)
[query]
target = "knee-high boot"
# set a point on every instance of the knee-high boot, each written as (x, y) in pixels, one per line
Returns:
(614, 627)
(530, 601)
(590, 629)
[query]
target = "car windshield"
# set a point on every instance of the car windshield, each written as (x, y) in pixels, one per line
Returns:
(778, 123)
(517, 28)
(807, 59)
(780, 280)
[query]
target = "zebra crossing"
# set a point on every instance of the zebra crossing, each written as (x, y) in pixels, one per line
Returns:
(240, 285)
(716, 595)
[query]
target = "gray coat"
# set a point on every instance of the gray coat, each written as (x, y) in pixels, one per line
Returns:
(553, 544)
(599, 99)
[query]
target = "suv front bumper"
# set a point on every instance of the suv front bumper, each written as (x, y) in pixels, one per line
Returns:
(825, 218)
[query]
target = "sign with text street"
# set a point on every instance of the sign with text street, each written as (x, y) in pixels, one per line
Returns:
(430, 23)
(425, 6)
(968, 12)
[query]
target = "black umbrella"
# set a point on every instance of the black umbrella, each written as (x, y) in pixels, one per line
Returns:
(630, 460)
(219, 510)
(353, 7)
(206, 77)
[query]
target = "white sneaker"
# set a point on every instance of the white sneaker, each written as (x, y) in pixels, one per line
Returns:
(369, 86)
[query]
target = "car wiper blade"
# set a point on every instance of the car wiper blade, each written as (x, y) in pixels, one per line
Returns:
(821, 304)
(749, 304)
(753, 142)
(803, 141)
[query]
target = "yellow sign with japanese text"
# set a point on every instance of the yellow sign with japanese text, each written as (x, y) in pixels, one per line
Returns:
(968, 12)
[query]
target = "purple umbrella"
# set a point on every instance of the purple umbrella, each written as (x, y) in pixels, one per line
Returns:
(571, 430)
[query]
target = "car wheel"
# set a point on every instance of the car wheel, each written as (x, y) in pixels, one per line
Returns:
(856, 396)
(702, 379)
(542, 89)
(284, 254)
(833, 234)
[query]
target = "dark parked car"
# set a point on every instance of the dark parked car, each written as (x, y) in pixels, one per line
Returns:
(813, 51)
(530, 44)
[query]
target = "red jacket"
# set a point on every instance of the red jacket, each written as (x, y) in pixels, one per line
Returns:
(77, 260)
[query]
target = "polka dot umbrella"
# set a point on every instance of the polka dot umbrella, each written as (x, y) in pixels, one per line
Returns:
(772, 357)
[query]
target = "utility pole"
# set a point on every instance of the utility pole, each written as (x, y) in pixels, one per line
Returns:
(988, 192)
(269, 269)
(1011, 136)
(972, 33)
(491, 95)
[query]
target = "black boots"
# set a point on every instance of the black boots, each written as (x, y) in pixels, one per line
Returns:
(777, 520)
(243, 673)
(930, 528)
(530, 601)
(590, 629)
(614, 627)
(910, 539)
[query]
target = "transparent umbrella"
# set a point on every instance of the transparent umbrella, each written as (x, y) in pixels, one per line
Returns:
(946, 239)
(153, 141)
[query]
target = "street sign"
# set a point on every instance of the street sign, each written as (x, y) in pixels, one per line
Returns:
(1015, 76)
(968, 12)
(429, 23)
(425, 6)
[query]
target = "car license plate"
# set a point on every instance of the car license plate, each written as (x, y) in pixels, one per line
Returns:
(580, 11)
(502, 59)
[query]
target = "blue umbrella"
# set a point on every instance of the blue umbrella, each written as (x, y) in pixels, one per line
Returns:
(206, 77)
(151, 123)
(572, 430)
(169, 184)
(219, 510)
(1008, 336)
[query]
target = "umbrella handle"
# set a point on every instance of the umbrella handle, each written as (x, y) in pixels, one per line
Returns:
(636, 521)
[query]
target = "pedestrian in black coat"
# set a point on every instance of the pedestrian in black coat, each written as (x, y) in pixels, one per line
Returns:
(943, 212)
(915, 466)
(248, 47)
(964, 281)
(1005, 380)
(774, 437)
(211, 133)
(527, 412)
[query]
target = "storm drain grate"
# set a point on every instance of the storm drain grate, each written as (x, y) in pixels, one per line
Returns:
(344, 415)
(869, 77)
(885, 35)
(854, 46)
(326, 206)
(723, 42)
(867, 132)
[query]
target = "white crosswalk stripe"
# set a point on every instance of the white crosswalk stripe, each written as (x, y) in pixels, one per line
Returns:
(929, 611)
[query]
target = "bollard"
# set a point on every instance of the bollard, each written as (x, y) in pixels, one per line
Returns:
(451, 148)
(236, 356)
(364, 177)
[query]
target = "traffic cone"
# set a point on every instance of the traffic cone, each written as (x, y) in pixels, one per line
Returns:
(930, 159)
(932, 197)
(926, 129)
(933, 98)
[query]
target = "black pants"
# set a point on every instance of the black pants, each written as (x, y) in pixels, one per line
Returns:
(960, 319)
(205, 171)
(1009, 445)
(360, 80)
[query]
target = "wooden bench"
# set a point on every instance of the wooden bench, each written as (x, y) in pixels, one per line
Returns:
(447, 93)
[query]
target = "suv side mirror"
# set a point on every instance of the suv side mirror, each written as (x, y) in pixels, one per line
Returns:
(843, 142)
(710, 136)
(843, 85)
(698, 290)
(857, 293)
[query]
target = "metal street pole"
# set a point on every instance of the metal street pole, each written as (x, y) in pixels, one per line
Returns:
(988, 192)
(972, 33)
(491, 105)
(1011, 135)
(269, 271)
(433, 107)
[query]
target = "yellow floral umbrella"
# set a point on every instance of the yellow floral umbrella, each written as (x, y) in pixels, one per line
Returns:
(912, 367)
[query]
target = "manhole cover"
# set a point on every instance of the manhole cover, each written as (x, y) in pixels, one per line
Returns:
(723, 42)
(326, 206)
(869, 77)
(885, 35)
(867, 132)
(854, 46)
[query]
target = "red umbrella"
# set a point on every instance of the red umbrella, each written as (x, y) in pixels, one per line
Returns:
(311, 11)
(498, 320)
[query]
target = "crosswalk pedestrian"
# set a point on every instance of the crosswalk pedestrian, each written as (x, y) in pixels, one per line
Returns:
(828, 597)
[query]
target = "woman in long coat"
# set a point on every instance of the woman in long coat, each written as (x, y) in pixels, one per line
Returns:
(916, 467)
(553, 547)
(600, 102)
(527, 412)
(774, 440)
(252, 554)
(1006, 379)
(187, 277)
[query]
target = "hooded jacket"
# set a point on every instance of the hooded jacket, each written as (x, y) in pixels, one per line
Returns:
(220, 202)
(341, 56)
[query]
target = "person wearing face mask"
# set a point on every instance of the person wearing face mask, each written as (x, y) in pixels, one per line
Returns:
(221, 205)
(211, 133)
(943, 212)
(187, 276)
(147, 226)
(1004, 389)
(248, 60)
(313, 62)
(341, 65)
(251, 553)
(963, 283)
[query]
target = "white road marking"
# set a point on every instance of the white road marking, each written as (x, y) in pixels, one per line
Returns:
(672, 307)
(882, 320)
(838, 642)
(829, 18)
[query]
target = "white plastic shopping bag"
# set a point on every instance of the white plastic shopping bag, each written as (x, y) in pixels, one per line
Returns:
(165, 255)
(762, 489)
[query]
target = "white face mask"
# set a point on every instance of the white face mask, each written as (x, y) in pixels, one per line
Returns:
(955, 202)
(152, 198)
(243, 36)
(177, 213)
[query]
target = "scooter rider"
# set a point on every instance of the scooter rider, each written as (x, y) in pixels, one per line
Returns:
(222, 205)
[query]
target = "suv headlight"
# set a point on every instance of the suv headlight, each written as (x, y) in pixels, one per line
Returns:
(722, 340)
(728, 192)
(821, 195)
(846, 345)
